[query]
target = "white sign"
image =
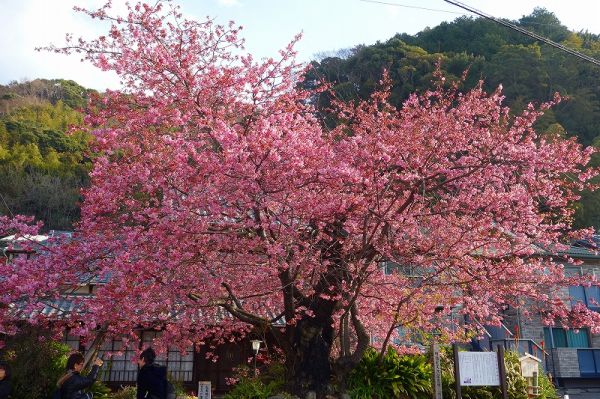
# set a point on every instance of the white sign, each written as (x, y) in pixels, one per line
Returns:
(528, 369)
(204, 390)
(529, 365)
(437, 371)
(478, 369)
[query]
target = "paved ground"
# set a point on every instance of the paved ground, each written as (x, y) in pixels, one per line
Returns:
(583, 393)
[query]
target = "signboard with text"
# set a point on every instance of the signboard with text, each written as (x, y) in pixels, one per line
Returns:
(204, 390)
(529, 365)
(479, 369)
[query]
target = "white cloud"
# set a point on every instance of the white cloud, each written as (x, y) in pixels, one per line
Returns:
(39, 23)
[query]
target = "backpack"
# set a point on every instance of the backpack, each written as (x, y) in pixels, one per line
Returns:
(170, 392)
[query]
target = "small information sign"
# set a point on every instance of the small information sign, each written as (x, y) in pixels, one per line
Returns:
(204, 390)
(529, 365)
(479, 369)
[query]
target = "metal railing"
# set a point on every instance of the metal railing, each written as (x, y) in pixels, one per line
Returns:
(522, 346)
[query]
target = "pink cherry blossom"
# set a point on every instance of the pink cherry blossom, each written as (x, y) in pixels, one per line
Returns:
(219, 205)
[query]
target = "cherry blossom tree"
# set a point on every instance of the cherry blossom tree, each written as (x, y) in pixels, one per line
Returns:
(219, 205)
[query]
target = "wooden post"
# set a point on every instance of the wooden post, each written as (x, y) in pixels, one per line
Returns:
(502, 371)
(437, 371)
(456, 372)
(92, 352)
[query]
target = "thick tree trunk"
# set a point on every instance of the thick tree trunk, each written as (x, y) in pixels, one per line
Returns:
(309, 365)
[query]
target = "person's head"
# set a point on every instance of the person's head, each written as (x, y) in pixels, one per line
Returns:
(147, 357)
(4, 371)
(75, 362)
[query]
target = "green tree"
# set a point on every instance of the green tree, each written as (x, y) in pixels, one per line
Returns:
(528, 70)
(520, 70)
(545, 23)
(42, 165)
(36, 362)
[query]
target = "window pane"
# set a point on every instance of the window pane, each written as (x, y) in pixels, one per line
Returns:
(118, 367)
(593, 297)
(572, 271)
(577, 294)
(586, 362)
(597, 360)
(179, 366)
(497, 332)
(560, 338)
(578, 339)
(547, 339)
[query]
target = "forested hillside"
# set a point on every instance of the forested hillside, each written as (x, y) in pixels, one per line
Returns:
(42, 168)
(528, 71)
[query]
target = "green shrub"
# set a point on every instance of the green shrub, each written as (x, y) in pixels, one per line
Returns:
(250, 389)
(128, 392)
(396, 376)
(100, 390)
(36, 363)
(178, 385)
(268, 383)
(517, 384)
(410, 377)
(547, 389)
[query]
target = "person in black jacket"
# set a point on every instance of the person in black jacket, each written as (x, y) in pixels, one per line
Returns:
(72, 384)
(152, 378)
(4, 381)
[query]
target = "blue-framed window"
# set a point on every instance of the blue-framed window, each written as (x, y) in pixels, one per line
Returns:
(497, 332)
(561, 338)
(390, 267)
(589, 362)
(589, 296)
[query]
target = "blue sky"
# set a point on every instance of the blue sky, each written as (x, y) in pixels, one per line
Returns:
(327, 25)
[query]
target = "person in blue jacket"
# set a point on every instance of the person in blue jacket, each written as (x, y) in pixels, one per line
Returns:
(4, 381)
(73, 384)
(152, 378)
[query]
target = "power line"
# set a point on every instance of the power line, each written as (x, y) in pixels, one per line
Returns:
(525, 32)
(437, 10)
(415, 7)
